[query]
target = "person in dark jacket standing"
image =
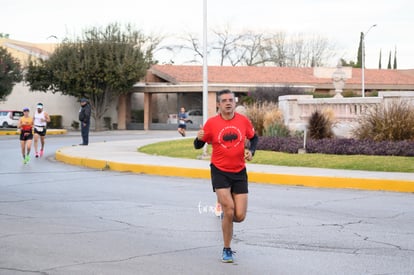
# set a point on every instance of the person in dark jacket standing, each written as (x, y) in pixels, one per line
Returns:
(85, 120)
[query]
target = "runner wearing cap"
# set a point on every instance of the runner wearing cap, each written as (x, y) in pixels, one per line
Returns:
(40, 118)
(25, 125)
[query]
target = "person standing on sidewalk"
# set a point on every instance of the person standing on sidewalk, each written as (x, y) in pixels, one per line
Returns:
(182, 121)
(85, 120)
(227, 132)
(25, 125)
(41, 118)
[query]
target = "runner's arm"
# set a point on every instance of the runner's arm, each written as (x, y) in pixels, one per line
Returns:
(198, 144)
(253, 143)
(47, 117)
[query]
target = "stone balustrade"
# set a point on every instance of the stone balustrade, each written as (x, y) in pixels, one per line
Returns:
(297, 109)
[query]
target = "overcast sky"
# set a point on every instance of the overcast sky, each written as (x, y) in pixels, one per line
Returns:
(339, 21)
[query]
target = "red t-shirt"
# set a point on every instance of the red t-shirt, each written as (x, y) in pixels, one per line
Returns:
(227, 138)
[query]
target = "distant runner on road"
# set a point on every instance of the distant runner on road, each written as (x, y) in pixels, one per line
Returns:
(40, 120)
(25, 125)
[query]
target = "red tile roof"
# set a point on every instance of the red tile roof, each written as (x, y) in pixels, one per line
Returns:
(178, 74)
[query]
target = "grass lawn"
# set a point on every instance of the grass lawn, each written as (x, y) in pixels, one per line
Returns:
(183, 148)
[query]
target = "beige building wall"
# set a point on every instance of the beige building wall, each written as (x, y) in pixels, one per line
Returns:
(54, 104)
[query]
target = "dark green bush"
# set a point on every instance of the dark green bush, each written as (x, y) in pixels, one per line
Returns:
(55, 122)
(137, 116)
(75, 125)
(320, 126)
(349, 94)
(321, 95)
(270, 94)
(108, 123)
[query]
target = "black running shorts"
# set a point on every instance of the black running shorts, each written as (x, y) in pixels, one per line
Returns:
(40, 130)
(26, 135)
(237, 182)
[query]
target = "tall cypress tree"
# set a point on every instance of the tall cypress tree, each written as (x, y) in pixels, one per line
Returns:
(389, 61)
(380, 57)
(395, 58)
(359, 57)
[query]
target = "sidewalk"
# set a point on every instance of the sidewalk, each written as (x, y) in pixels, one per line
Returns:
(123, 156)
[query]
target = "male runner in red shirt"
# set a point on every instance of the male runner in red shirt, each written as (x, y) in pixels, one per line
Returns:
(227, 132)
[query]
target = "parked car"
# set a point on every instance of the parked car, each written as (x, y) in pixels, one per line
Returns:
(196, 116)
(10, 118)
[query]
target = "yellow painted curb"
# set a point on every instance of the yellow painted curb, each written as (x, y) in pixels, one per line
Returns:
(49, 132)
(334, 182)
(134, 168)
(265, 178)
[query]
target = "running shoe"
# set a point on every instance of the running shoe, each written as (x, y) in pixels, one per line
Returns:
(227, 255)
(37, 155)
(26, 159)
(41, 153)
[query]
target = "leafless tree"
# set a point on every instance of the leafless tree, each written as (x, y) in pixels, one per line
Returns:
(227, 45)
(250, 48)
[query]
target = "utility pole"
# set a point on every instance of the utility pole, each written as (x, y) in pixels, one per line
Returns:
(205, 71)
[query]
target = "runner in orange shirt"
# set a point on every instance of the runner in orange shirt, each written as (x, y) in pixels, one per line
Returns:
(25, 125)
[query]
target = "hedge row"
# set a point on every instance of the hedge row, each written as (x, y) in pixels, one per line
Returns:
(338, 146)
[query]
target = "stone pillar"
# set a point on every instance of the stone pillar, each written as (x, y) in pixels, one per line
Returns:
(212, 104)
(122, 112)
(292, 112)
(147, 110)
(339, 77)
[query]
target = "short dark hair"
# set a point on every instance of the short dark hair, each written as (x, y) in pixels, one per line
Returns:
(222, 92)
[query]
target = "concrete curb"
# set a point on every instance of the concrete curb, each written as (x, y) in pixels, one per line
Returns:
(376, 184)
(335, 182)
(134, 167)
(49, 132)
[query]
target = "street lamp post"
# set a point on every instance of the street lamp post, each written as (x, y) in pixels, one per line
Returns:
(363, 60)
(205, 72)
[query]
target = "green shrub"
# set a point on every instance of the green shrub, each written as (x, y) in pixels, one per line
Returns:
(321, 95)
(55, 122)
(270, 94)
(108, 123)
(349, 93)
(374, 93)
(276, 130)
(392, 122)
(320, 125)
(137, 116)
(262, 115)
(75, 125)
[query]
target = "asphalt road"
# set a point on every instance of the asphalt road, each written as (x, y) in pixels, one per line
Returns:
(61, 219)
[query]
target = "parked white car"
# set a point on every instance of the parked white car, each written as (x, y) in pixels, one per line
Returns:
(10, 118)
(196, 116)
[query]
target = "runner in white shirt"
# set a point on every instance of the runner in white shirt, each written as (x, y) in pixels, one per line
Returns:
(40, 119)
